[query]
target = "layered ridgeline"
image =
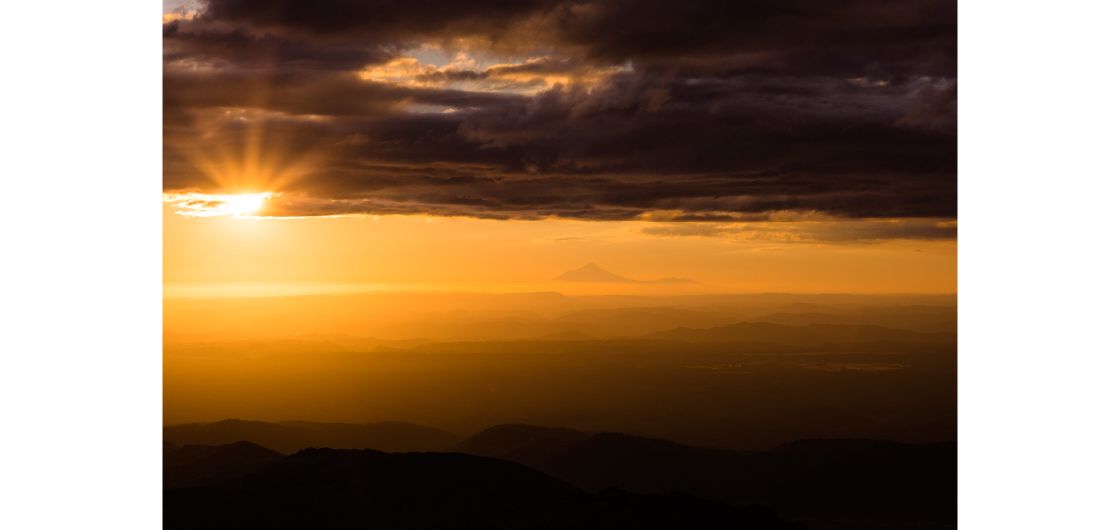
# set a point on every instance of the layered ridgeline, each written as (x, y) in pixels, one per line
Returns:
(700, 374)
(583, 480)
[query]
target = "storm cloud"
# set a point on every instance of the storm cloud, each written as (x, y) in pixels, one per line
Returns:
(722, 111)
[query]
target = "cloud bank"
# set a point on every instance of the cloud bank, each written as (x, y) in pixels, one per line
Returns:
(601, 110)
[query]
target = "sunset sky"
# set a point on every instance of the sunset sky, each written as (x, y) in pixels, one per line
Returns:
(805, 146)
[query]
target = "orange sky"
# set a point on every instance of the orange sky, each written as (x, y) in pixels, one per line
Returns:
(229, 255)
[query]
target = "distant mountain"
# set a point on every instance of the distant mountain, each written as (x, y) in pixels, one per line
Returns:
(595, 274)
(336, 489)
(289, 437)
(203, 465)
(836, 483)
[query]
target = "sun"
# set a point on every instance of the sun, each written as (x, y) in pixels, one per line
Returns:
(241, 205)
(194, 204)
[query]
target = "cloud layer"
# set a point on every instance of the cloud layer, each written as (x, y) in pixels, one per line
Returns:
(719, 111)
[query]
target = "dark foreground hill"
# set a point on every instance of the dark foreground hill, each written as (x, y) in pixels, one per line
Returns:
(289, 437)
(837, 484)
(200, 465)
(328, 489)
(827, 483)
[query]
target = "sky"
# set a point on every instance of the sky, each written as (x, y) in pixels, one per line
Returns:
(801, 146)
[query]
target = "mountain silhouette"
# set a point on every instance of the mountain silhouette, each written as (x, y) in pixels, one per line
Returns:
(329, 489)
(834, 483)
(289, 437)
(595, 274)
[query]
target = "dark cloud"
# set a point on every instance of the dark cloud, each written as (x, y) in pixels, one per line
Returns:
(705, 110)
(383, 20)
(815, 232)
(187, 46)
